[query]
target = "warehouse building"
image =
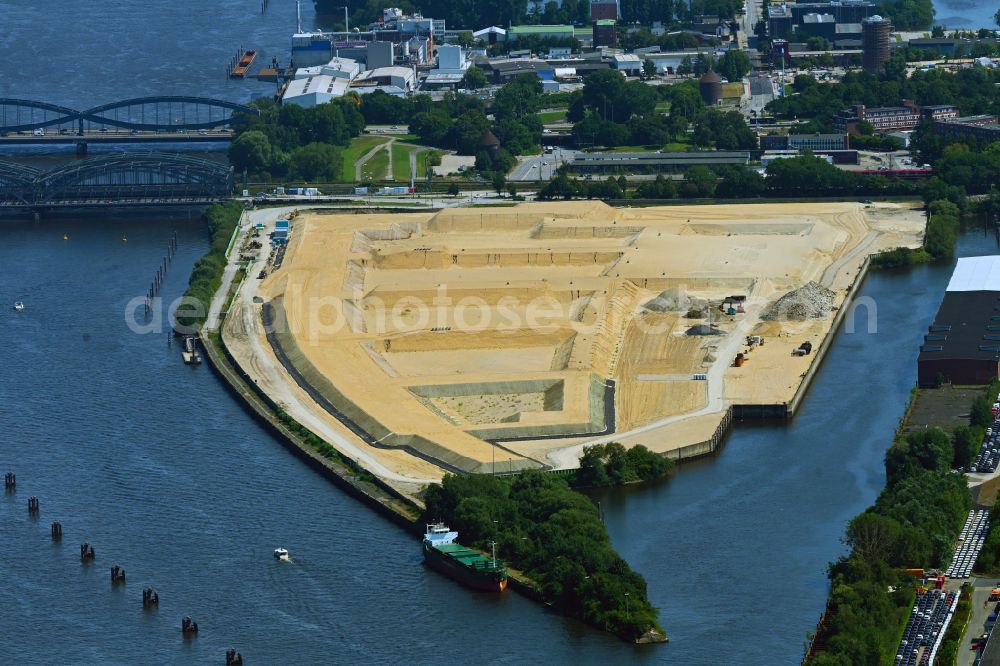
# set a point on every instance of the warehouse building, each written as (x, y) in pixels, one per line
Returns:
(620, 163)
(962, 346)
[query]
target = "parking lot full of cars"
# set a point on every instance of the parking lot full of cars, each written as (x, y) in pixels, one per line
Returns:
(971, 540)
(926, 627)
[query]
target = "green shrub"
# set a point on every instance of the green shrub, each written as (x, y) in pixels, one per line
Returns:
(554, 534)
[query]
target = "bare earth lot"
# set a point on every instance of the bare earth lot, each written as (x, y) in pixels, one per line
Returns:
(435, 332)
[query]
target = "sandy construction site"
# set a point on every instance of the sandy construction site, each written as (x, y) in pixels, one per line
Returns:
(504, 338)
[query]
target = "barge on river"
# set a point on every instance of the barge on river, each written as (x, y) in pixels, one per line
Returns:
(467, 566)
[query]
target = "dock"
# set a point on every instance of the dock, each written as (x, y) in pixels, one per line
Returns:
(242, 66)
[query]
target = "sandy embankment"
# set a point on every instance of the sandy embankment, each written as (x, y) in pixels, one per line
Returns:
(440, 330)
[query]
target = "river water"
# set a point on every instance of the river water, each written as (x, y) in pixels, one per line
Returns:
(162, 471)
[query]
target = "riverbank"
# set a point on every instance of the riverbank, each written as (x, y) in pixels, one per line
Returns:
(914, 525)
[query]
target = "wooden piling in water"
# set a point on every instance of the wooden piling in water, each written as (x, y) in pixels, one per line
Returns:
(9, 481)
(233, 658)
(117, 575)
(150, 598)
(188, 626)
(87, 552)
(33, 505)
(56, 531)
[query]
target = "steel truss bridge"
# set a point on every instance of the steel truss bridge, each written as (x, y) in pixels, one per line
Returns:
(142, 114)
(136, 179)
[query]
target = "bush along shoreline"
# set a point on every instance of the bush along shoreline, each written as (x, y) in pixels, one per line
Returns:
(914, 523)
(943, 223)
(555, 536)
(206, 276)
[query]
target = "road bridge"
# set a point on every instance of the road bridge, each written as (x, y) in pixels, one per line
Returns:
(141, 114)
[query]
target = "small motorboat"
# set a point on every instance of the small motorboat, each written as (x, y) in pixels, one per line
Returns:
(281, 554)
(18, 305)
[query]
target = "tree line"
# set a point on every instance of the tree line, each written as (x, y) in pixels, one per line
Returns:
(206, 275)
(914, 523)
(292, 141)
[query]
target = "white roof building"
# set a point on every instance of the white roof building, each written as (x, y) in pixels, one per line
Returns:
(339, 68)
(314, 90)
(400, 77)
(976, 274)
(626, 62)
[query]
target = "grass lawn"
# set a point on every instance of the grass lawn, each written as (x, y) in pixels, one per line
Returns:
(633, 149)
(662, 107)
(401, 160)
(552, 116)
(375, 168)
(360, 145)
(732, 89)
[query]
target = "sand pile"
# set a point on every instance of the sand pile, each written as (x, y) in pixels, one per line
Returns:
(674, 300)
(812, 301)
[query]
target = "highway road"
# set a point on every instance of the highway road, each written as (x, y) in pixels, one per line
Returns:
(541, 167)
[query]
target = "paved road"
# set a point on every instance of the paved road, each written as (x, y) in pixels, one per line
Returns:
(980, 594)
(750, 17)
(546, 165)
(359, 165)
(277, 382)
(219, 300)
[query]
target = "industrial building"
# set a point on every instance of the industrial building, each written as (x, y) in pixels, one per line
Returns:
(655, 162)
(962, 346)
(627, 63)
(710, 86)
(540, 31)
(982, 129)
(604, 9)
(402, 78)
(892, 118)
(836, 20)
(311, 91)
(813, 142)
(875, 43)
(605, 33)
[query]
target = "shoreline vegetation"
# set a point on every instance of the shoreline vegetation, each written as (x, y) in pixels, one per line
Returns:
(913, 523)
(555, 534)
(943, 224)
(206, 275)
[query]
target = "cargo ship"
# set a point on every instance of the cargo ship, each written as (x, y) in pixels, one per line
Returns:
(467, 566)
(243, 65)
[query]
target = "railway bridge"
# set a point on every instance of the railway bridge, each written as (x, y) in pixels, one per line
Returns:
(127, 179)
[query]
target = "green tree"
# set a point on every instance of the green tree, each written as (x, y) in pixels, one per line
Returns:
(733, 65)
(981, 414)
(315, 162)
(433, 127)
(966, 442)
(686, 68)
(499, 182)
(648, 68)
(474, 78)
(699, 183)
(251, 152)
(453, 189)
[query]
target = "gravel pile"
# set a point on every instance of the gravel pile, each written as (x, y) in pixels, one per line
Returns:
(812, 301)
